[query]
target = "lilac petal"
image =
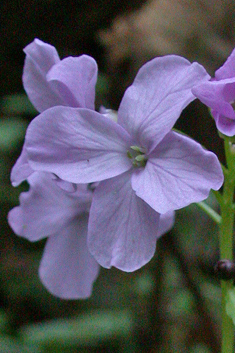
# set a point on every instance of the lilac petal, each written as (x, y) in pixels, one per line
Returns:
(67, 268)
(21, 170)
(224, 124)
(46, 208)
(78, 145)
(40, 57)
(218, 95)
(74, 80)
(178, 172)
(122, 229)
(65, 185)
(153, 103)
(228, 69)
(166, 222)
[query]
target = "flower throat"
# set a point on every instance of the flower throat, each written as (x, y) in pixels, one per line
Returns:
(138, 156)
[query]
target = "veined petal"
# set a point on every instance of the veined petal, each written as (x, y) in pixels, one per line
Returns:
(40, 57)
(178, 172)
(223, 123)
(67, 268)
(228, 69)
(46, 208)
(122, 229)
(153, 103)
(78, 145)
(74, 80)
(218, 95)
(21, 170)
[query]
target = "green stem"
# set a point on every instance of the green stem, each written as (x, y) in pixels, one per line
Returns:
(226, 244)
(210, 212)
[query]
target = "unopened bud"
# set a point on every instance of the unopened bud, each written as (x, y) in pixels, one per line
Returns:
(225, 269)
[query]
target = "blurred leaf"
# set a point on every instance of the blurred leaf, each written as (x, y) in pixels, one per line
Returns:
(89, 329)
(9, 344)
(3, 320)
(17, 104)
(182, 303)
(102, 84)
(144, 284)
(200, 348)
(12, 131)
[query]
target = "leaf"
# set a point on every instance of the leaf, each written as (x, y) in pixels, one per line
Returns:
(12, 345)
(12, 131)
(86, 330)
(17, 104)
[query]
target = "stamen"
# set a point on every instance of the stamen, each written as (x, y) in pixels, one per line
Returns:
(138, 156)
(138, 149)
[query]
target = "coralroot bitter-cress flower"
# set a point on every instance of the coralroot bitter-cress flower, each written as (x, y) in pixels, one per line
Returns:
(67, 268)
(143, 168)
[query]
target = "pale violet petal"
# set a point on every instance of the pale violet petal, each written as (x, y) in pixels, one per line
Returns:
(122, 229)
(46, 208)
(153, 103)
(21, 169)
(74, 80)
(65, 185)
(166, 222)
(178, 172)
(40, 57)
(78, 145)
(218, 95)
(67, 268)
(224, 124)
(228, 69)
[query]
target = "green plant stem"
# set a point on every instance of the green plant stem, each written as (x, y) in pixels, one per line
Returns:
(226, 244)
(210, 212)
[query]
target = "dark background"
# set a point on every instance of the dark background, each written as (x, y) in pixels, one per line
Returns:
(172, 304)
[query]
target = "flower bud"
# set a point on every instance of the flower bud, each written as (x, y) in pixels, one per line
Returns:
(225, 269)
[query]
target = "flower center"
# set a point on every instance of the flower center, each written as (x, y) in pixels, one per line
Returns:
(138, 156)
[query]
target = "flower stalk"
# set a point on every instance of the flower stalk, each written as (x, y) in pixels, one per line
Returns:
(226, 242)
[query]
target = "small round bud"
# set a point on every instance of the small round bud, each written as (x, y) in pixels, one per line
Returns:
(225, 269)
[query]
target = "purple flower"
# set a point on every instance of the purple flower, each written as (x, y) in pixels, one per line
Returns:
(144, 169)
(67, 268)
(219, 95)
(48, 82)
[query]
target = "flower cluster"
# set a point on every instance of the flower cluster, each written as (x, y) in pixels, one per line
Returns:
(219, 95)
(130, 174)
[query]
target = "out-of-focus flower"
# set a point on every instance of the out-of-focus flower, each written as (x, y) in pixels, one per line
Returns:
(219, 95)
(143, 168)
